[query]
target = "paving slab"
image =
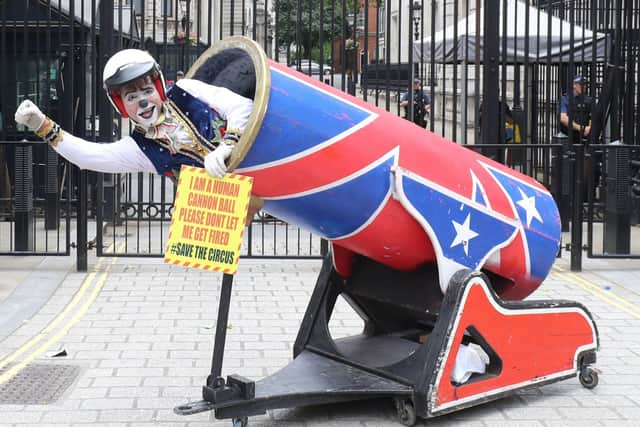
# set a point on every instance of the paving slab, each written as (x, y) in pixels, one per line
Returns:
(26, 284)
(142, 337)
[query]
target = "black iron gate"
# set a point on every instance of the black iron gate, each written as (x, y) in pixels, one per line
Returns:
(36, 213)
(136, 215)
(611, 208)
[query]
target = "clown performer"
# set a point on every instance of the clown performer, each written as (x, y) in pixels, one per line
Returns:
(193, 123)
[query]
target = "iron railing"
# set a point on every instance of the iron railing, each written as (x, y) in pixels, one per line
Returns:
(514, 69)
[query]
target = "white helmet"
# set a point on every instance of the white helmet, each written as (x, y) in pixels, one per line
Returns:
(126, 66)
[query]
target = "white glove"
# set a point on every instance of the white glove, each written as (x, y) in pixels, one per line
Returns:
(29, 115)
(214, 162)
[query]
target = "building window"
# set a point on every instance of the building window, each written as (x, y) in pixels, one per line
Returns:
(167, 7)
(382, 21)
(137, 6)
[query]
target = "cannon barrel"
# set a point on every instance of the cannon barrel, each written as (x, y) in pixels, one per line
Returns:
(377, 185)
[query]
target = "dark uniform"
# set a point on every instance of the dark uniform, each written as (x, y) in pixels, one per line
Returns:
(579, 110)
(420, 102)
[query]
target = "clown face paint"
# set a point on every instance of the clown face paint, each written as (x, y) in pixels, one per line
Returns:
(142, 102)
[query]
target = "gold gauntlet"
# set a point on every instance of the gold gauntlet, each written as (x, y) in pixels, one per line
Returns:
(50, 132)
(231, 136)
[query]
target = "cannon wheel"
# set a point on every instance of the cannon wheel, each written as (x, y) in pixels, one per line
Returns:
(240, 422)
(588, 377)
(406, 411)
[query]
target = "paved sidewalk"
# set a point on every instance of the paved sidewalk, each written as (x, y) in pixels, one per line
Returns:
(26, 283)
(141, 333)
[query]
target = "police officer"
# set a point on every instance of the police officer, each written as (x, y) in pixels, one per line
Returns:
(421, 104)
(575, 117)
(575, 113)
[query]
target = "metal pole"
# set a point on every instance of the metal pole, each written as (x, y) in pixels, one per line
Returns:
(490, 132)
(557, 181)
(410, 91)
(221, 328)
(564, 196)
(324, 247)
(576, 217)
(106, 191)
(81, 260)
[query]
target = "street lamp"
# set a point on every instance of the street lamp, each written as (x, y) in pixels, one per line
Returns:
(417, 8)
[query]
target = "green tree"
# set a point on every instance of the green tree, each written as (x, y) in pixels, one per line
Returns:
(305, 14)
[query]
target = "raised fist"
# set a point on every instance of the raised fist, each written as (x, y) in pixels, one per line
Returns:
(214, 162)
(29, 115)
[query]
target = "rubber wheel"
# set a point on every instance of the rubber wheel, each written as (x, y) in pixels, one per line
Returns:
(588, 377)
(240, 422)
(406, 412)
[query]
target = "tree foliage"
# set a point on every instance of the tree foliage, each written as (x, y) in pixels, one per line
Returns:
(335, 21)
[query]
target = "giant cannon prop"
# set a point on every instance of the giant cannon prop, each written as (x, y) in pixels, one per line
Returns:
(432, 244)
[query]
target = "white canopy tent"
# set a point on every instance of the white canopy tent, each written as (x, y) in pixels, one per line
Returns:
(549, 39)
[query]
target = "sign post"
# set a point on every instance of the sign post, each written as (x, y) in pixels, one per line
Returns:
(208, 220)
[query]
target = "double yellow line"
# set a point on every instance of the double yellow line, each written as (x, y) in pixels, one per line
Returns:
(597, 291)
(63, 322)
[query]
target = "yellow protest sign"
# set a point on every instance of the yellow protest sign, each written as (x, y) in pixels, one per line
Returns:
(208, 220)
